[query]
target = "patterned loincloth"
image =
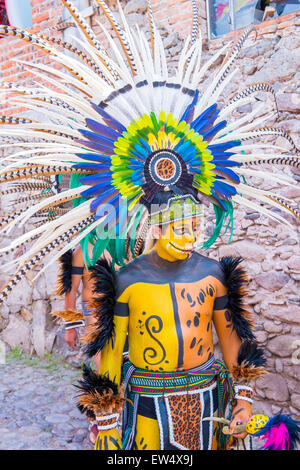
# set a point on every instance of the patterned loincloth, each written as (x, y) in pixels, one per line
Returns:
(178, 401)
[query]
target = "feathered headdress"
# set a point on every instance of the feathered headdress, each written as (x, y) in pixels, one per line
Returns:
(123, 129)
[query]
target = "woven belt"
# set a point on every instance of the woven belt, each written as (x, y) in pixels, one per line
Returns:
(170, 382)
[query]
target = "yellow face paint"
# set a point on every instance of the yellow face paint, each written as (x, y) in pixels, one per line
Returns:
(178, 240)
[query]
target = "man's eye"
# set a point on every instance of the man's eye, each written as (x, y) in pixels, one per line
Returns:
(179, 231)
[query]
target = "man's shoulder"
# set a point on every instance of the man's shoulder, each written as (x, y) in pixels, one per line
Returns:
(130, 273)
(212, 266)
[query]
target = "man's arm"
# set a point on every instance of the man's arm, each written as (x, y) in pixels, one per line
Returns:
(234, 326)
(103, 392)
(230, 346)
(71, 336)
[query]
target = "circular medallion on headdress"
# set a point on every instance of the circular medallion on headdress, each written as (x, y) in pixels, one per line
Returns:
(165, 168)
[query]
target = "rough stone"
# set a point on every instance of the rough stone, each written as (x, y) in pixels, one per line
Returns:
(17, 333)
(295, 399)
(288, 102)
(294, 263)
(274, 387)
(272, 280)
(135, 6)
(271, 327)
(282, 345)
(248, 249)
(38, 326)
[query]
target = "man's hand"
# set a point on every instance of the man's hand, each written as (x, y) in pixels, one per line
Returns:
(71, 338)
(240, 415)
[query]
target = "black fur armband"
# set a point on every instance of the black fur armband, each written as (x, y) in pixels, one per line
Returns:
(250, 362)
(235, 280)
(102, 305)
(64, 283)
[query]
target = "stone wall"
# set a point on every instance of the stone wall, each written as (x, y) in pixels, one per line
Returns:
(270, 251)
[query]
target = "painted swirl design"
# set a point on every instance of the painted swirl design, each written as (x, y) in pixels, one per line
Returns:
(152, 356)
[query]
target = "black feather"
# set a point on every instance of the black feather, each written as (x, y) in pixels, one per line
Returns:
(89, 413)
(235, 281)
(251, 355)
(65, 277)
(105, 286)
(93, 382)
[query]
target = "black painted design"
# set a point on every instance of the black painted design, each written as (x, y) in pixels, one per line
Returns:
(192, 345)
(140, 326)
(228, 318)
(115, 442)
(150, 355)
(177, 324)
(208, 326)
(200, 350)
(141, 446)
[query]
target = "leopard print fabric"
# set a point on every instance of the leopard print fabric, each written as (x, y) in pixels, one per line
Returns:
(165, 169)
(185, 413)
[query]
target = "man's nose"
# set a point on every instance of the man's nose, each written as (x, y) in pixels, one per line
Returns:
(190, 235)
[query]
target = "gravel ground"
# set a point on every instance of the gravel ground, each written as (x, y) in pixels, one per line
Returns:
(38, 410)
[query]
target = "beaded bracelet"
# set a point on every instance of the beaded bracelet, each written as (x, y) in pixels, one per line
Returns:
(107, 422)
(73, 324)
(243, 392)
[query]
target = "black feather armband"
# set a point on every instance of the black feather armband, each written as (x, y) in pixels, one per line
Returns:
(99, 396)
(235, 280)
(64, 282)
(103, 305)
(250, 363)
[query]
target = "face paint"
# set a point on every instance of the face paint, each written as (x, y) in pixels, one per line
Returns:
(178, 240)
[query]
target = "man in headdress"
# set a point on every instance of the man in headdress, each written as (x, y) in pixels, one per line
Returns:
(167, 300)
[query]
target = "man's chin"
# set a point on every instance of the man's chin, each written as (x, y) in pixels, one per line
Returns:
(179, 253)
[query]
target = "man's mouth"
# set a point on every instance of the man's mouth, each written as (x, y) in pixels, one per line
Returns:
(180, 249)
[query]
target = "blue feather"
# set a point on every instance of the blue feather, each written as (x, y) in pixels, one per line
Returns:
(202, 125)
(224, 189)
(229, 173)
(211, 132)
(95, 157)
(190, 108)
(223, 146)
(141, 150)
(222, 155)
(95, 179)
(97, 138)
(102, 129)
(97, 147)
(109, 119)
(220, 201)
(225, 162)
(146, 145)
(94, 190)
(87, 166)
(206, 114)
(102, 197)
(182, 147)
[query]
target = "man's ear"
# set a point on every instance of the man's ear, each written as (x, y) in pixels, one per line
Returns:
(156, 232)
